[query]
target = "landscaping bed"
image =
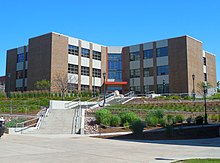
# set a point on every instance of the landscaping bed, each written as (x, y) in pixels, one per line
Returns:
(169, 134)
(199, 161)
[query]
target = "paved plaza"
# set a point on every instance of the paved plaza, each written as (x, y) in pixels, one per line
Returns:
(66, 148)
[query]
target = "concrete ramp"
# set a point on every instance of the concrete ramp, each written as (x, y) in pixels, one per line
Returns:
(58, 121)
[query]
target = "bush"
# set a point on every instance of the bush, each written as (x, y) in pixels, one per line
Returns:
(137, 128)
(189, 120)
(157, 113)
(179, 118)
(151, 121)
(162, 121)
(103, 116)
(126, 125)
(199, 120)
(170, 119)
(115, 121)
(128, 117)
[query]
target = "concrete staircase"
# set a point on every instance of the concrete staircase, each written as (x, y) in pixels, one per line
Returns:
(58, 121)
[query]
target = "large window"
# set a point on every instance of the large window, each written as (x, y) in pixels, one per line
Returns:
(162, 88)
(20, 57)
(72, 87)
(148, 72)
(134, 56)
(84, 87)
(73, 69)
(162, 70)
(115, 67)
(85, 52)
(74, 50)
(96, 55)
(205, 77)
(19, 74)
(162, 52)
(148, 54)
(135, 73)
(26, 56)
(84, 70)
(96, 72)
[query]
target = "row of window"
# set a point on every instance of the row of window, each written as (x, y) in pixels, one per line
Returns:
(74, 50)
(73, 69)
(161, 70)
(147, 88)
(74, 87)
(160, 52)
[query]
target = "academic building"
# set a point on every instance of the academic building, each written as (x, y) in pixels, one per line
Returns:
(164, 66)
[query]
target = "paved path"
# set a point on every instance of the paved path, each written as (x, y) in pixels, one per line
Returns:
(67, 148)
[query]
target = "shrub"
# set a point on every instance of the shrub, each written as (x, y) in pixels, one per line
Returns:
(126, 125)
(162, 121)
(199, 120)
(151, 121)
(115, 121)
(170, 119)
(137, 127)
(128, 117)
(189, 120)
(157, 113)
(103, 116)
(179, 118)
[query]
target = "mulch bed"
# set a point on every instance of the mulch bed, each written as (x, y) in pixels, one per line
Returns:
(179, 134)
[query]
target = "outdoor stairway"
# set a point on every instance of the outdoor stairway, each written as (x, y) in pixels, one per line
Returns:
(58, 121)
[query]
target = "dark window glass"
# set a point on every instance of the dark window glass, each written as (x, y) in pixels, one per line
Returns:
(162, 70)
(148, 53)
(161, 52)
(135, 73)
(84, 70)
(20, 57)
(162, 88)
(115, 67)
(134, 56)
(205, 77)
(72, 87)
(84, 87)
(26, 56)
(96, 55)
(204, 61)
(85, 52)
(96, 72)
(74, 50)
(96, 90)
(73, 69)
(25, 73)
(19, 74)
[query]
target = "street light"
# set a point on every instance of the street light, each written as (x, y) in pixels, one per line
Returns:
(194, 95)
(164, 86)
(104, 76)
(205, 92)
(9, 84)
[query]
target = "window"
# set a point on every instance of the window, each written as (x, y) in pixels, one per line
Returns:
(162, 88)
(84, 87)
(146, 72)
(26, 56)
(204, 61)
(19, 74)
(146, 88)
(84, 70)
(20, 57)
(96, 72)
(25, 74)
(72, 87)
(162, 70)
(96, 90)
(85, 52)
(74, 50)
(137, 89)
(162, 52)
(135, 73)
(72, 69)
(148, 53)
(205, 77)
(115, 66)
(135, 56)
(96, 55)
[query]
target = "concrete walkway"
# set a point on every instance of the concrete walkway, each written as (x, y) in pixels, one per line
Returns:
(68, 148)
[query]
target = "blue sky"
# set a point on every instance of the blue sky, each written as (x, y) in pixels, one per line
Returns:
(115, 22)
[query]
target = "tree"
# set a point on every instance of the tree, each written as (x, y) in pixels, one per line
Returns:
(201, 87)
(43, 84)
(61, 82)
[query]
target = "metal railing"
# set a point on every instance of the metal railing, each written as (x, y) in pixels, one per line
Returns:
(23, 125)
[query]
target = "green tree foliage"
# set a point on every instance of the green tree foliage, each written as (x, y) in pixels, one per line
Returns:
(43, 84)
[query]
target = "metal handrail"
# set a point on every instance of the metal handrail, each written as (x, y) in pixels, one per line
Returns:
(23, 127)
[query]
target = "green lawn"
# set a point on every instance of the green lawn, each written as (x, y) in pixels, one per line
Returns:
(199, 161)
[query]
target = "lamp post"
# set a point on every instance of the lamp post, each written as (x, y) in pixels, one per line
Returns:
(164, 86)
(194, 95)
(205, 92)
(9, 83)
(104, 76)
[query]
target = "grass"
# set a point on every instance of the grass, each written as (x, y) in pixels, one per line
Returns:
(199, 161)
